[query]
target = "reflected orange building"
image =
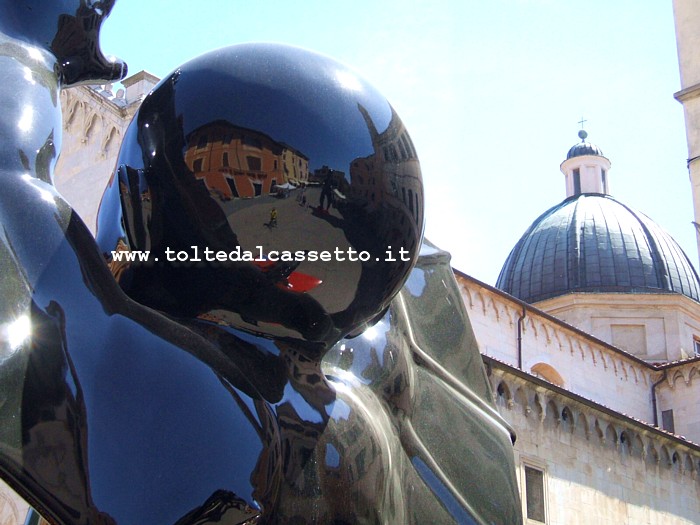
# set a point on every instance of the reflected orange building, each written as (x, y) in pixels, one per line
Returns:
(235, 162)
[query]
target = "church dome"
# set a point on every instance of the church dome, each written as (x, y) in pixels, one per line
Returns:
(584, 148)
(594, 243)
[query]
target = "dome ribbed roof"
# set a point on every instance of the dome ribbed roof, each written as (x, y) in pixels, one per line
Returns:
(584, 148)
(593, 243)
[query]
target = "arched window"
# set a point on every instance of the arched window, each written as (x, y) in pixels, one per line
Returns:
(548, 373)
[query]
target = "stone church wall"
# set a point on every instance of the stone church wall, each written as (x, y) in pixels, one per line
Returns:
(94, 122)
(556, 352)
(598, 467)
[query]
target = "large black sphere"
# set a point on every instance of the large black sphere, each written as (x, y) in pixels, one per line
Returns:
(266, 152)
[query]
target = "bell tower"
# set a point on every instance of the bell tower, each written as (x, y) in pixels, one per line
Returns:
(687, 18)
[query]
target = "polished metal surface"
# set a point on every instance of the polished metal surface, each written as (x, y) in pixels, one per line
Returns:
(266, 150)
(231, 393)
(69, 30)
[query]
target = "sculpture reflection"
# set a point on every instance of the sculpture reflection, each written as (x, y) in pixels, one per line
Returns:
(239, 163)
(211, 162)
(353, 438)
(239, 405)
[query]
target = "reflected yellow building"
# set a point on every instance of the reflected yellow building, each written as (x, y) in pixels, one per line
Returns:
(295, 165)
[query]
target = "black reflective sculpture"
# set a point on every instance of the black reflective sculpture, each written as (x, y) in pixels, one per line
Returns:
(281, 155)
(226, 391)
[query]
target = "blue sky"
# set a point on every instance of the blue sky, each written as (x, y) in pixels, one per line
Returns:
(491, 93)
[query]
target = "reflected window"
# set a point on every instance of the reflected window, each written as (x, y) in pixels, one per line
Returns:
(404, 140)
(232, 184)
(252, 141)
(534, 494)
(417, 212)
(360, 463)
(197, 165)
(404, 155)
(224, 159)
(254, 163)
(411, 146)
(332, 456)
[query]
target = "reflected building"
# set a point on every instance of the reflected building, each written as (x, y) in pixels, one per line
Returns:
(399, 195)
(387, 186)
(234, 162)
(295, 165)
(320, 175)
(393, 151)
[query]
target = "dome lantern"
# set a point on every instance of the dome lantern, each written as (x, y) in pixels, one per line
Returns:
(585, 168)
